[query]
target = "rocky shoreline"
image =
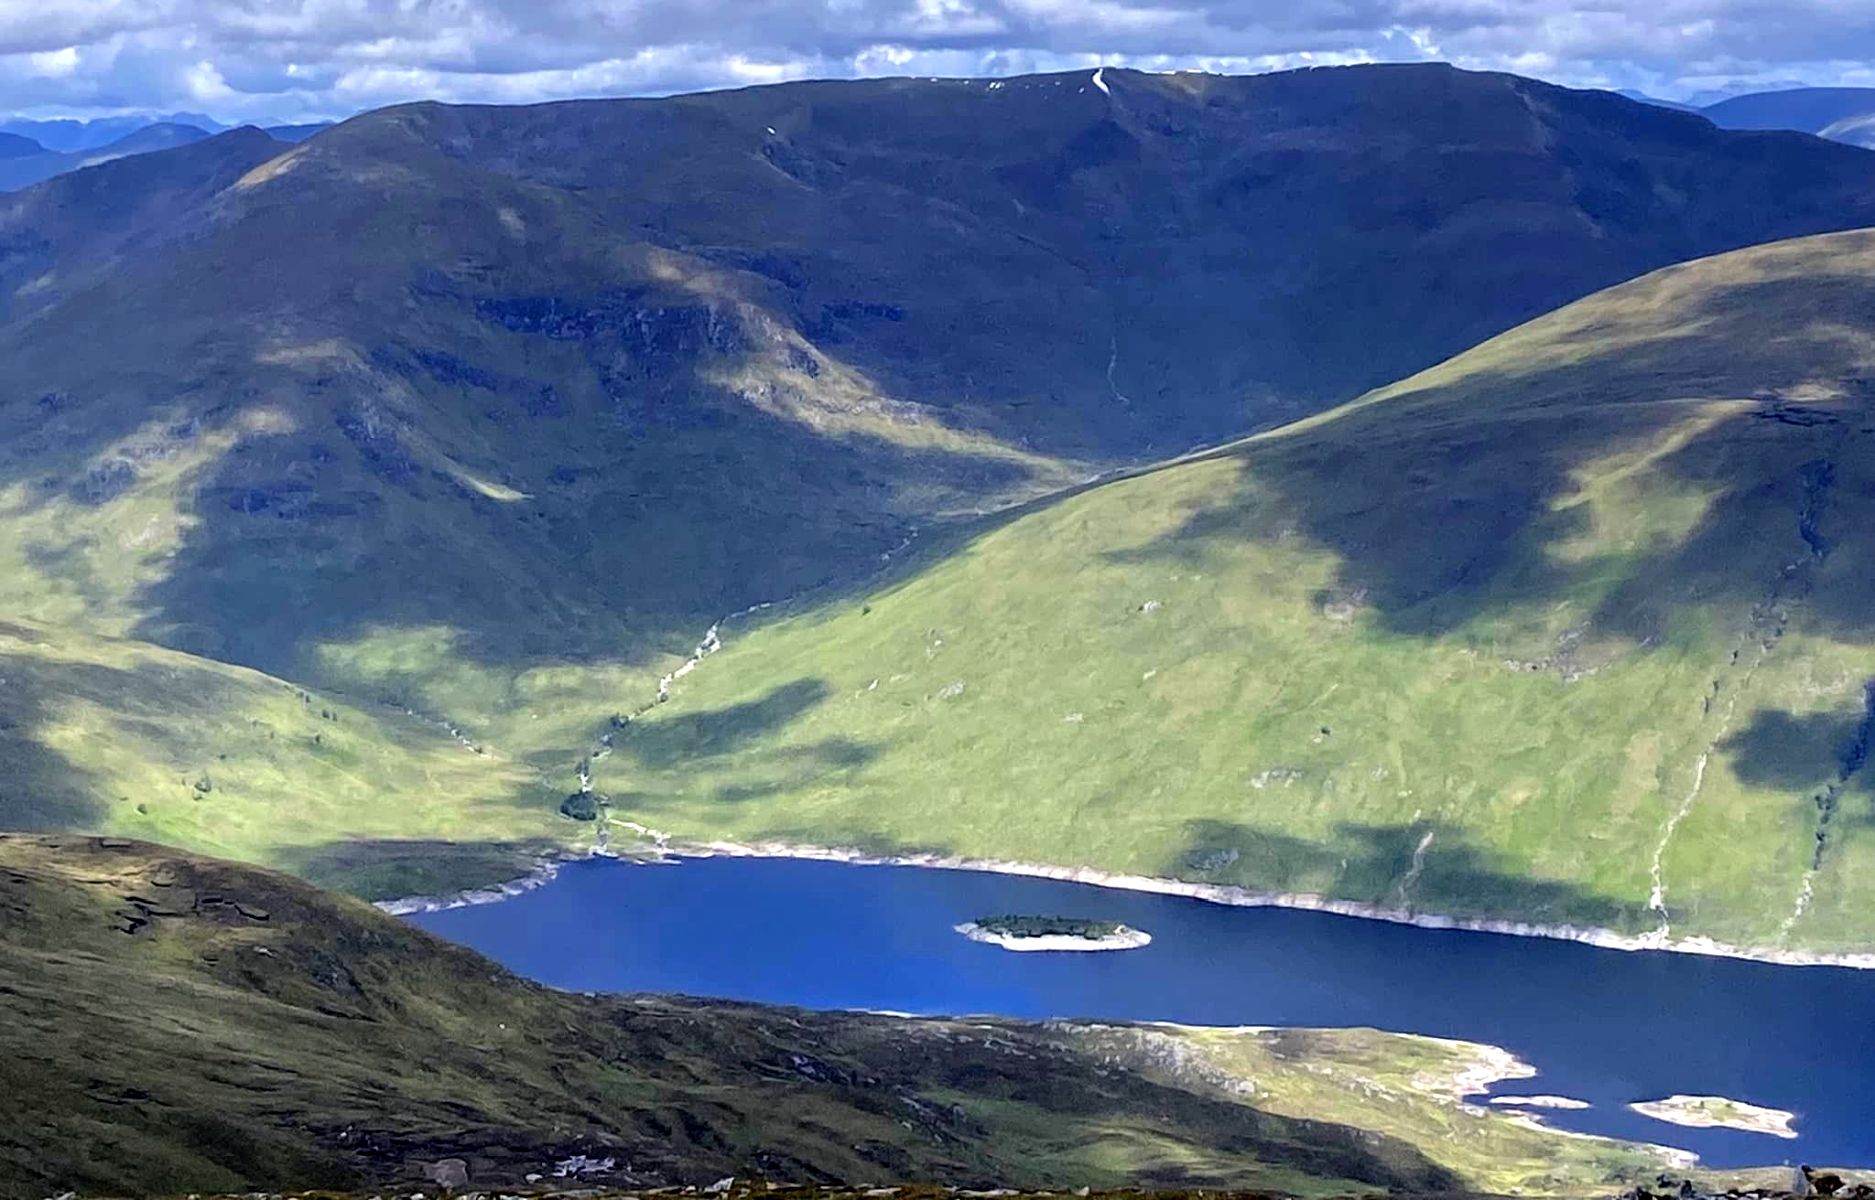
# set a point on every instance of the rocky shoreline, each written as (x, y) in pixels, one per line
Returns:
(540, 876)
(1214, 893)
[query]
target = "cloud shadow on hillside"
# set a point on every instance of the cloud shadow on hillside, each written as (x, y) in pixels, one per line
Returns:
(1375, 864)
(1460, 503)
(625, 550)
(1791, 751)
(738, 730)
(612, 492)
(43, 788)
(1821, 757)
(1442, 503)
(711, 733)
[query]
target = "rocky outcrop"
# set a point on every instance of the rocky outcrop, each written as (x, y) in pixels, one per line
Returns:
(655, 335)
(375, 435)
(1803, 1181)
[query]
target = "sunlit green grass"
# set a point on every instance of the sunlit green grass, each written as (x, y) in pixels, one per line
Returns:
(123, 737)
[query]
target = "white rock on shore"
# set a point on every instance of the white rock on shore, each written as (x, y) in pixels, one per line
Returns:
(1569, 1102)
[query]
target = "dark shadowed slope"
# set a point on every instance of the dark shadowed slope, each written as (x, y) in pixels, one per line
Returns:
(1574, 628)
(172, 1024)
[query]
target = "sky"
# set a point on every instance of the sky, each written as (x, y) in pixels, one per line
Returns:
(298, 60)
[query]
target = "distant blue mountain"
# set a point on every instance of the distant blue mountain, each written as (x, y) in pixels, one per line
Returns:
(295, 133)
(72, 136)
(12, 145)
(1844, 114)
(24, 162)
(1656, 101)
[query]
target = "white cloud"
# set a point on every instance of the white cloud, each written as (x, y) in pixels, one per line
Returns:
(295, 59)
(53, 64)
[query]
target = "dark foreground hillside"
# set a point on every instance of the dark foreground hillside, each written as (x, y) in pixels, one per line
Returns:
(173, 1024)
(1666, 1187)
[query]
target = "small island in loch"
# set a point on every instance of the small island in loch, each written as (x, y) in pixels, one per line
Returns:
(1717, 1112)
(1053, 933)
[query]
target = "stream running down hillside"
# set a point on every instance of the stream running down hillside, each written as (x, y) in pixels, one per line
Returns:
(1606, 1028)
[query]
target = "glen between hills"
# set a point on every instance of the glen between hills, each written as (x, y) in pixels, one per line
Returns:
(349, 489)
(1574, 628)
(174, 1024)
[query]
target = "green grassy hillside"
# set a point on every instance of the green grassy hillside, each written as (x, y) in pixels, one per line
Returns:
(100, 733)
(174, 1024)
(1575, 627)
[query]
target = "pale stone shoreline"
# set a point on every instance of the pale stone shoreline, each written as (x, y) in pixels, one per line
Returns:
(1124, 938)
(539, 877)
(1237, 897)
(1560, 1102)
(1214, 893)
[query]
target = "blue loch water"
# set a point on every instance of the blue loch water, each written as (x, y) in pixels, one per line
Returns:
(1606, 1026)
